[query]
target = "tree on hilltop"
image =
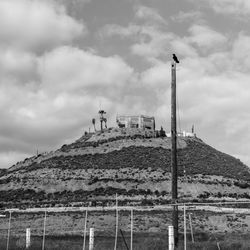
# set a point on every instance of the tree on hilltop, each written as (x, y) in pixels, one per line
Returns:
(162, 132)
(93, 122)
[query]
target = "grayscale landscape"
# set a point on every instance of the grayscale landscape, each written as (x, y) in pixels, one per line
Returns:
(122, 120)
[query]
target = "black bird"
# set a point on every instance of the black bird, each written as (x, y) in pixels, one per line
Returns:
(175, 58)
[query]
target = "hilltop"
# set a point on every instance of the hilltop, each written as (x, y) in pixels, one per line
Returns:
(133, 163)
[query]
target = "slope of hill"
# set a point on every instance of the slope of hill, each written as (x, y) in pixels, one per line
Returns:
(130, 162)
(2, 171)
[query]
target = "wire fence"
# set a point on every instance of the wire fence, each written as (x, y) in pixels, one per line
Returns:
(221, 225)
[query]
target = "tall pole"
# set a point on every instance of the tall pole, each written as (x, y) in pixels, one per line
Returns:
(174, 152)
(131, 233)
(85, 229)
(44, 229)
(116, 224)
(191, 228)
(185, 227)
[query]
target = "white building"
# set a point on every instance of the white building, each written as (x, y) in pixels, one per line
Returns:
(183, 134)
(137, 121)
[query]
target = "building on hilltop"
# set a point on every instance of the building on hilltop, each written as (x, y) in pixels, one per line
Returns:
(137, 121)
(182, 134)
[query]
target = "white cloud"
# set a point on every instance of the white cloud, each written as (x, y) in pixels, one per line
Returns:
(241, 52)
(156, 44)
(36, 25)
(149, 41)
(182, 47)
(114, 29)
(156, 76)
(72, 69)
(17, 65)
(149, 15)
(205, 37)
(7, 159)
(187, 16)
(232, 7)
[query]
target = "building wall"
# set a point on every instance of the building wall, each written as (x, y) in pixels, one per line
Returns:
(184, 134)
(139, 121)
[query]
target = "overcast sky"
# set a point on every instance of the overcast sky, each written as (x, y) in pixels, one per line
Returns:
(61, 60)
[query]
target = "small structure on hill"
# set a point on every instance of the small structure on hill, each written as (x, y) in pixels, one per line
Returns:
(136, 121)
(102, 118)
(183, 134)
(93, 122)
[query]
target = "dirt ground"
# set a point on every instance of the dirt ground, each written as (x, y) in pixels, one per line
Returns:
(104, 222)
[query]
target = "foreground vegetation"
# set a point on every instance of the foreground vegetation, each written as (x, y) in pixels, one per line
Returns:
(149, 241)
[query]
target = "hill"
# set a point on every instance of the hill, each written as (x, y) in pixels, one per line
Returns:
(130, 162)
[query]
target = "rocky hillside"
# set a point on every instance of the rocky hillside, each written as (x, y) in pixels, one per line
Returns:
(2, 171)
(133, 163)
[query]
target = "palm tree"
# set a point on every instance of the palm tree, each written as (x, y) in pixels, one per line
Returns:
(102, 118)
(93, 122)
(105, 121)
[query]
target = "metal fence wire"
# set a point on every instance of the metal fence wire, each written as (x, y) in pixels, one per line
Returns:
(201, 226)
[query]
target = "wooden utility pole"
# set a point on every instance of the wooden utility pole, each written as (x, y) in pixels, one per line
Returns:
(131, 233)
(117, 221)
(185, 227)
(174, 170)
(8, 235)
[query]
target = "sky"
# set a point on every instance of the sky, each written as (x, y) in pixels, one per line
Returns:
(63, 60)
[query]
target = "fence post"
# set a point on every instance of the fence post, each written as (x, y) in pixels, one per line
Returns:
(131, 233)
(91, 239)
(44, 230)
(218, 245)
(124, 240)
(27, 238)
(170, 238)
(85, 230)
(8, 237)
(116, 224)
(191, 228)
(185, 228)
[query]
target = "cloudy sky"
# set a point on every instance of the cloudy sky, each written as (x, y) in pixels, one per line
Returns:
(61, 60)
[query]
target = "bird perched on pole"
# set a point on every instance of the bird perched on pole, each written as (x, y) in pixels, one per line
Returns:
(175, 58)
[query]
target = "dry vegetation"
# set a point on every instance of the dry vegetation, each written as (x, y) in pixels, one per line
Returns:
(150, 229)
(133, 163)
